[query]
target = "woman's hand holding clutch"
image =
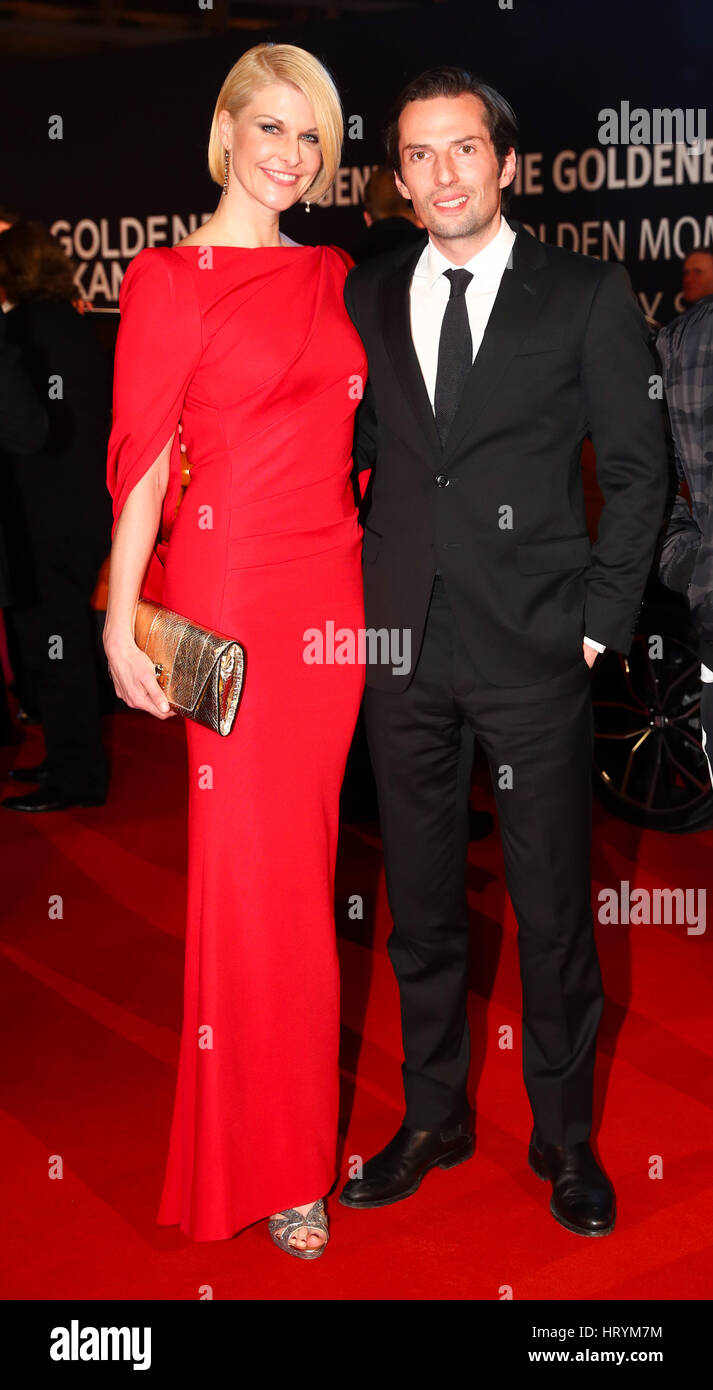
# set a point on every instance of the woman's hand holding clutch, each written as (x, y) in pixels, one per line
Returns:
(134, 677)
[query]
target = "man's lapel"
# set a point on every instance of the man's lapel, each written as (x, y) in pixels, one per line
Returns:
(396, 323)
(517, 305)
(518, 302)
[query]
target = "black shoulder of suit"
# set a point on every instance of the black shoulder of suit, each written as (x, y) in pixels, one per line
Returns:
(377, 267)
(527, 251)
(48, 329)
(45, 316)
(559, 258)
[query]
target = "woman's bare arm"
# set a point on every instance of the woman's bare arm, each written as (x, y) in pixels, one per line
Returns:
(131, 670)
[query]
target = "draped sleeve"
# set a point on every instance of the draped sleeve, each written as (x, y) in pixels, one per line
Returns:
(158, 347)
(343, 255)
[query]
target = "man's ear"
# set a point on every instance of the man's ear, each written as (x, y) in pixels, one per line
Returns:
(403, 190)
(509, 169)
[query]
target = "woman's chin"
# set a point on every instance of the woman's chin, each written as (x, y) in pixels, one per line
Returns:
(281, 202)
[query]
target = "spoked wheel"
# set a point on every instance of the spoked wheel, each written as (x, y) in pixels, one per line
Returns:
(649, 763)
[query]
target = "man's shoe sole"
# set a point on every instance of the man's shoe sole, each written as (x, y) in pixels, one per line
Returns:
(532, 1159)
(49, 810)
(451, 1160)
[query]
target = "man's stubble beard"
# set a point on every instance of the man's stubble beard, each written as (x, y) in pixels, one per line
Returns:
(450, 229)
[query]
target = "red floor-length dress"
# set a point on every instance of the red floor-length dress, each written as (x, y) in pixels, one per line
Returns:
(253, 351)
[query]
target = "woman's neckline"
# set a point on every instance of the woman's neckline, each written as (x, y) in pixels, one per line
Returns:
(221, 246)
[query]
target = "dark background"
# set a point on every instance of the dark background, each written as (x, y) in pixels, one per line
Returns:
(136, 121)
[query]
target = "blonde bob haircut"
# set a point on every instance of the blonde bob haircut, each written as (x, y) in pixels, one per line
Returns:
(283, 62)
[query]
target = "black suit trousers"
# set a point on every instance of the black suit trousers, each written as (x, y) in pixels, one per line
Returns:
(66, 686)
(538, 743)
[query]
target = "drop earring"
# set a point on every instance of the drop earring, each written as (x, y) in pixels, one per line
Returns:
(225, 175)
(306, 207)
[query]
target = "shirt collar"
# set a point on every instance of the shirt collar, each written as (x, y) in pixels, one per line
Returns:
(487, 264)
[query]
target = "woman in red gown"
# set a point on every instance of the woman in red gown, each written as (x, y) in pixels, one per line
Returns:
(242, 336)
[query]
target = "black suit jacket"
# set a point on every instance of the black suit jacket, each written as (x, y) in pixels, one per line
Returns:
(23, 430)
(501, 509)
(55, 503)
(23, 417)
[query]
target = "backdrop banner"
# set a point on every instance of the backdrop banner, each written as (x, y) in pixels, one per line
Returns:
(617, 156)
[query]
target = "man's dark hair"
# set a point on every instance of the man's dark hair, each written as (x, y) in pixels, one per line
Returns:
(500, 118)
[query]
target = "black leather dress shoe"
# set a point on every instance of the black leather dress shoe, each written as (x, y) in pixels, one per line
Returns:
(396, 1171)
(49, 798)
(39, 773)
(582, 1196)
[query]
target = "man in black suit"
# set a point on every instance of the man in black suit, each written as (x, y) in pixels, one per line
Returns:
(480, 393)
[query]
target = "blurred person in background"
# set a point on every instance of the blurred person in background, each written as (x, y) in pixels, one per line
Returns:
(26, 711)
(23, 430)
(390, 219)
(56, 518)
(685, 349)
(697, 276)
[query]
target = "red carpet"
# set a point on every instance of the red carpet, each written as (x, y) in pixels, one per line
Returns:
(91, 1010)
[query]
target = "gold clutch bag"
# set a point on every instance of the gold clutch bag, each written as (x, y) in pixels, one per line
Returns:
(200, 672)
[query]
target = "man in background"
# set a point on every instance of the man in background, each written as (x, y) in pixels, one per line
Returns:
(23, 430)
(390, 219)
(697, 276)
(685, 349)
(56, 520)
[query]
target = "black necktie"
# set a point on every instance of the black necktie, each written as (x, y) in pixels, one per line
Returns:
(455, 353)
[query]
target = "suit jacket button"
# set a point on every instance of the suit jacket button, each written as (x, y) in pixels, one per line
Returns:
(442, 480)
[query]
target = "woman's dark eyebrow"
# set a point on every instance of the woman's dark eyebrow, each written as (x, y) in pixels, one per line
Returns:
(276, 121)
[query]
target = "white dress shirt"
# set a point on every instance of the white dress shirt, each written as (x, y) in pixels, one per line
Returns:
(430, 292)
(429, 295)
